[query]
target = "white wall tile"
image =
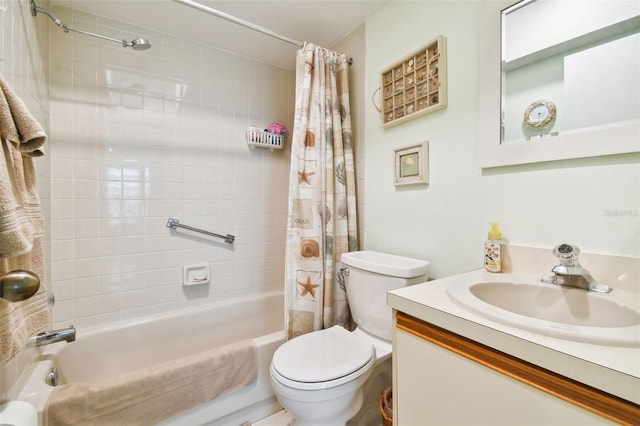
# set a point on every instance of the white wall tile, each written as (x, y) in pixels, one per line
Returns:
(86, 228)
(111, 247)
(86, 287)
(85, 248)
(85, 307)
(86, 267)
(62, 270)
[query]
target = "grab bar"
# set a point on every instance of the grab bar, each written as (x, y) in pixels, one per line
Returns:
(175, 223)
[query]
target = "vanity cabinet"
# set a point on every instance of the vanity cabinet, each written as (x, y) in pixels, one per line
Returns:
(443, 378)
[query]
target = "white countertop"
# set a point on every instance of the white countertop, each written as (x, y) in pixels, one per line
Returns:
(613, 369)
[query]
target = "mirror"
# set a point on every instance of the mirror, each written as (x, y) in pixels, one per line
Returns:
(552, 91)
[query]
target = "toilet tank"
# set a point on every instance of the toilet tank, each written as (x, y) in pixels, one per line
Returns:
(370, 276)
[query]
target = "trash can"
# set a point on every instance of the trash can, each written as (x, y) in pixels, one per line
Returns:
(386, 407)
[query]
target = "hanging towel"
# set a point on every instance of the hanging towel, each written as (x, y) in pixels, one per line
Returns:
(21, 222)
(22, 138)
(147, 396)
(18, 125)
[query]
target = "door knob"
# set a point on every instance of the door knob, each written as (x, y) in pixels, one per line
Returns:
(18, 285)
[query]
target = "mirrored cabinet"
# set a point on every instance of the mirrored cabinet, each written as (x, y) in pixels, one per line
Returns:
(552, 91)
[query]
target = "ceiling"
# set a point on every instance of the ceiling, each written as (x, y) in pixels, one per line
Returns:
(320, 22)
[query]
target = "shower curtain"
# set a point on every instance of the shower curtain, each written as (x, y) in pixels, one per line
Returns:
(322, 220)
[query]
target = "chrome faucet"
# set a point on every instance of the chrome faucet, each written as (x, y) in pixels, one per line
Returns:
(570, 273)
(53, 336)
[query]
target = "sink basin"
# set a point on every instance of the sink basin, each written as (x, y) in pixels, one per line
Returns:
(552, 310)
(562, 305)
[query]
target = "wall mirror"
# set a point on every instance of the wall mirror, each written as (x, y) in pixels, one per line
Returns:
(558, 80)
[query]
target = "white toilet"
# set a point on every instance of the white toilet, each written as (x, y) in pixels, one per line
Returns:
(318, 377)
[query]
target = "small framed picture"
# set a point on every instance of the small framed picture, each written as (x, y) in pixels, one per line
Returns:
(411, 164)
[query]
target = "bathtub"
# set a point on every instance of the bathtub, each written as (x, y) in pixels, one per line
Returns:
(128, 346)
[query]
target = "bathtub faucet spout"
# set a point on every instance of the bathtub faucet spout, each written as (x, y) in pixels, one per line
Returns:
(53, 336)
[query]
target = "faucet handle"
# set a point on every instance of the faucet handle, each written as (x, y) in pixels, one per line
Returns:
(567, 254)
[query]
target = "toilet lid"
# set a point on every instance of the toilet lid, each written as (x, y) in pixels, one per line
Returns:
(322, 355)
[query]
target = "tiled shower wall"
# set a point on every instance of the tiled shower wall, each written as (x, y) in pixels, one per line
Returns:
(141, 136)
(24, 46)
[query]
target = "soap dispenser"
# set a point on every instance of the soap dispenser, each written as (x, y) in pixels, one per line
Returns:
(493, 249)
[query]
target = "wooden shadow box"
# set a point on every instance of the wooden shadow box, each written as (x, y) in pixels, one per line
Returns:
(416, 85)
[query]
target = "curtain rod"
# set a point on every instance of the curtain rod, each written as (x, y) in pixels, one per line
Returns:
(239, 21)
(244, 23)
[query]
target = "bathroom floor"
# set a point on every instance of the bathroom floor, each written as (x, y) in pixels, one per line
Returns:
(281, 418)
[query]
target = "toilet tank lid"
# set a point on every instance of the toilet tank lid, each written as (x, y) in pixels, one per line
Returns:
(386, 264)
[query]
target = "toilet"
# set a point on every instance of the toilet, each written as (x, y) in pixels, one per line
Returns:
(319, 377)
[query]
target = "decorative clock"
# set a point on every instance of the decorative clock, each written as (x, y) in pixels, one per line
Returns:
(540, 113)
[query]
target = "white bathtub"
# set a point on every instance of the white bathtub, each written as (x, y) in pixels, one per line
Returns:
(131, 345)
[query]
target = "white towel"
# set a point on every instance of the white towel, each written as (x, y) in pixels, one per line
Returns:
(17, 125)
(22, 139)
(21, 223)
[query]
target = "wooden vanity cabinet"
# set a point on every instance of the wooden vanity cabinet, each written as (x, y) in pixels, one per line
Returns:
(443, 378)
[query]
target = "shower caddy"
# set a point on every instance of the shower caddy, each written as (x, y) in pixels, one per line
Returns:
(260, 139)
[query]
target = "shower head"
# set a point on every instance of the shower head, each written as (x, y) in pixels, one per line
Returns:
(136, 44)
(139, 44)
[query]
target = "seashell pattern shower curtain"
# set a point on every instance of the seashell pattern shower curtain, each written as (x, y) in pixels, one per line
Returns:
(322, 218)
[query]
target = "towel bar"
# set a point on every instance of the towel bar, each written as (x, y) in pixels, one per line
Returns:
(175, 223)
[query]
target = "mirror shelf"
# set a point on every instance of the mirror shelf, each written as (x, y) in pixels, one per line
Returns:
(610, 32)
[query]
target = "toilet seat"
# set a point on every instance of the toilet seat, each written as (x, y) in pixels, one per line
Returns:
(322, 359)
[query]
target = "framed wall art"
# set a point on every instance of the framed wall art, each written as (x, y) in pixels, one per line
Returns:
(415, 85)
(411, 164)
